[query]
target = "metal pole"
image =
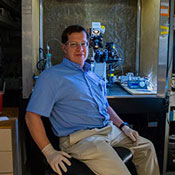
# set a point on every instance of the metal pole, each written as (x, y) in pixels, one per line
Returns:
(41, 28)
(138, 37)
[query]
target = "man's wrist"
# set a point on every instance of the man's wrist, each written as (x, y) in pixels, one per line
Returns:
(123, 124)
(47, 150)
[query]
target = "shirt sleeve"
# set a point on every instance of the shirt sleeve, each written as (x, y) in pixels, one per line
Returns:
(43, 96)
(105, 95)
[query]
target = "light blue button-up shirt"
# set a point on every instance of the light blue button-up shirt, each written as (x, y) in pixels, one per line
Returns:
(73, 99)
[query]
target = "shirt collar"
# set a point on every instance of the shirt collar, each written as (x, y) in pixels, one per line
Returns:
(75, 66)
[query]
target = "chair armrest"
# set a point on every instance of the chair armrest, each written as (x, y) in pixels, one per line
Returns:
(124, 153)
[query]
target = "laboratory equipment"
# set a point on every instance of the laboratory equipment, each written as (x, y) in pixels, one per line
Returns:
(105, 60)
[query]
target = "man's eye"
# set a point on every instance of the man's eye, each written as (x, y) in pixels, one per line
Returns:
(73, 44)
(83, 44)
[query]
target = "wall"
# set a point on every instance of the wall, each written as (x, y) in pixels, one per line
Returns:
(119, 17)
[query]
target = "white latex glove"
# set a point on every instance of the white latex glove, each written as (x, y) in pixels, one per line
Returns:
(132, 134)
(56, 159)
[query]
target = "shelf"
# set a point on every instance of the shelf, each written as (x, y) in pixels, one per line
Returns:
(7, 23)
(170, 173)
(9, 5)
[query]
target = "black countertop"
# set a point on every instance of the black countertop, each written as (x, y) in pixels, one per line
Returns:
(123, 102)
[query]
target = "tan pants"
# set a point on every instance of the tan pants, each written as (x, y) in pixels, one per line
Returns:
(95, 148)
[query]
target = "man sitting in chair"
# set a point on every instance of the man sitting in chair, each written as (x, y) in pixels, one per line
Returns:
(74, 100)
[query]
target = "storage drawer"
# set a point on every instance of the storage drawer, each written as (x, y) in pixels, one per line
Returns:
(5, 138)
(6, 162)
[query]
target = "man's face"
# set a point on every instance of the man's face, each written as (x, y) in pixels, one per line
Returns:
(76, 48)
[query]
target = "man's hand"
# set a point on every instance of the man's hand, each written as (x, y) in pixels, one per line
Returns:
(132, 134)
(56, 159)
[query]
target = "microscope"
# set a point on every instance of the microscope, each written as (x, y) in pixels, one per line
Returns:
(103, 59)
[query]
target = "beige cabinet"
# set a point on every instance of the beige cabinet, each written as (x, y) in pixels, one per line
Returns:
(8, 154)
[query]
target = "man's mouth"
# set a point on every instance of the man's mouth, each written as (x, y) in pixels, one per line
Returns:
(79, 54)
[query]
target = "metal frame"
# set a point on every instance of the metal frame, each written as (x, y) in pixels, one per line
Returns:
(28, 57)
(162, 73)
(30, 45)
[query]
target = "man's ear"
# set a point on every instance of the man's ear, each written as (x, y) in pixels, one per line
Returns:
(63, 46)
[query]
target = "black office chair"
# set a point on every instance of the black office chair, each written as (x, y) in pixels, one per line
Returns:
(39, 166)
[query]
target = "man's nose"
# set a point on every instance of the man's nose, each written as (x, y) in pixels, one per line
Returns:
(79, 46)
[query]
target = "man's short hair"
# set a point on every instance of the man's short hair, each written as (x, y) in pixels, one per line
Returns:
(72, 29)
